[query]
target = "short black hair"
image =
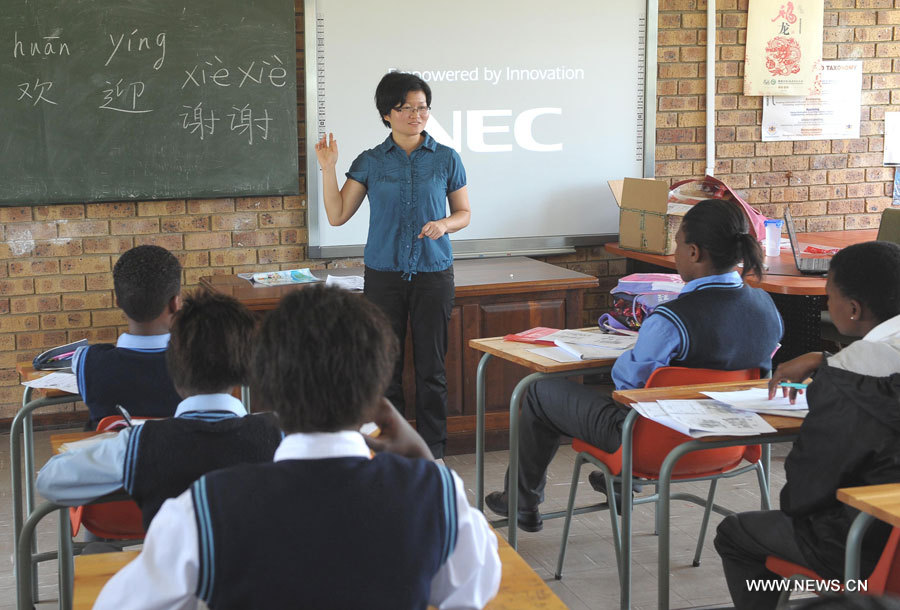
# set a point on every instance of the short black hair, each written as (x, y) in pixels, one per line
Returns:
(720, 228)
(393, 89)
(145, 279)
(211, 344)
(322, 358)
(870, 273)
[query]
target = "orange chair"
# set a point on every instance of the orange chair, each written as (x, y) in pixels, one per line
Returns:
(652, 442)
(885, 578)
(111, 520)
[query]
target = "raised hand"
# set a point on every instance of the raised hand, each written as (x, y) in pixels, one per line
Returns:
(327, 151)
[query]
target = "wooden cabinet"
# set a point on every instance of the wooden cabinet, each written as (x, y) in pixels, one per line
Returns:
(493, 297)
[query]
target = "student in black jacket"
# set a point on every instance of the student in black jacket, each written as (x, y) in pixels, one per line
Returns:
(851, 436)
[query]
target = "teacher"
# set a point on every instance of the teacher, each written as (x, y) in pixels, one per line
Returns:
(409, 179)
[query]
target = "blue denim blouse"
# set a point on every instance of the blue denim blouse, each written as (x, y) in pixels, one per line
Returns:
(405, 192)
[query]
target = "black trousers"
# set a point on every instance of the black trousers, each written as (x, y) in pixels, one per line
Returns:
(426, 301)
(744, 541)
(554, 408)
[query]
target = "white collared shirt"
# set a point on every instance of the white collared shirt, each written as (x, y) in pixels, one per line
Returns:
(138, 343)
(164, 575)
(82, 475)
(876, 355)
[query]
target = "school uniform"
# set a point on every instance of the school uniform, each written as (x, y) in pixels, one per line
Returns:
(132, 373)
(322, 526)
(716, 322)
(157, 460)
(411, 278)
(850, 438)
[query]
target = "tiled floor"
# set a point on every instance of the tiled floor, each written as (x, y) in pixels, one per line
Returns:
(590, 578)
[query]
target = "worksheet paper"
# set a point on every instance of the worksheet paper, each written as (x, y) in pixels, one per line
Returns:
(757, 399)
(64, 382)
(347, 282)
(557, 354)
(699, 418)
(594, 339)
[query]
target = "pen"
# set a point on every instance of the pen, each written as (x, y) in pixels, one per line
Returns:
(63, 356)
(796, 386)
(125, 415)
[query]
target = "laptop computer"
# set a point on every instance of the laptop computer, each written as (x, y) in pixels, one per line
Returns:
(807, 266)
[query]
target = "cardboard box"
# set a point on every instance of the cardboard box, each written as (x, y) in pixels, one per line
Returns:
(647, 221)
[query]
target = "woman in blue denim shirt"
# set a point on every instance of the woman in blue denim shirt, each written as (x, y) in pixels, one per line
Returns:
(409, 179)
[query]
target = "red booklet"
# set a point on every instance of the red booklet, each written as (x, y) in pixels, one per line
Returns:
(533, 336)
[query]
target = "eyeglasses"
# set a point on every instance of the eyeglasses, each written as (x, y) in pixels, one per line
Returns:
(408, 111)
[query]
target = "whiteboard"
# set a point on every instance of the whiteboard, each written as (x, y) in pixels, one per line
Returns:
(543, 101)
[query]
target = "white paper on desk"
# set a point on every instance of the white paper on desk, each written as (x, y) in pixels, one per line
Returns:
(87, 442)
(347, 282)
(589, 352)
(594, 339)
(711, 418)
(757, 399)
(65, 382)
(554, 353)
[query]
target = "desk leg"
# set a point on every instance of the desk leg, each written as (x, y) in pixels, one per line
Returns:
(66, 572)
(627, 509)
(766, 459)
(245, 397)
(854, 546)
(479, 431)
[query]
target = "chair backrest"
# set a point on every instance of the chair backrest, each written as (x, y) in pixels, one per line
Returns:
(889, 229)
(885, 578)
(113, 520)
(653, 441)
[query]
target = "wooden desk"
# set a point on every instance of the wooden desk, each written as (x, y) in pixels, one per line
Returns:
(541, 368)
(494, 296)
(787, 430)
(799, 298)
(520, 586)
(92, 572)
(874, 502)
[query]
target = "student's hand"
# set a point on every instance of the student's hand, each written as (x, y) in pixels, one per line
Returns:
(434, 229)
(327, 152)
(397, 436)
(796, 370)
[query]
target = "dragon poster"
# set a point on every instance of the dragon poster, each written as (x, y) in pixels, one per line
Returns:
(784, 46)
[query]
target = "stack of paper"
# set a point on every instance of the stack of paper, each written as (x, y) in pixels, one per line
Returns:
(757, 399)
(576, 345)
(64, 382)
(699, 418)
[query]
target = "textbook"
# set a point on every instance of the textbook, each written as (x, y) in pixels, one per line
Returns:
(280, 278)
(598, 347)
(59, 357)
(699, 418)
(535, 335)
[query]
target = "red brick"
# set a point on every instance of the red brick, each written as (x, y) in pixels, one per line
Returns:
(887, 49)
(789, 193)
(85, 264)
(877, 204)
(827, 161)
(258, 203)
(280, 254)
(757, 164)
(161, 208)
(17, 324)
(692, 119)
(16, 286)
(87, 300)
(748, 133)
(169, 241)
(58, 283)
(774, 148)
(267, 238)
(210, 206)
(678, 70)
(857, 18)
(736, 149)
(866, 189)
(846, 176)
(892, 17)
(874, 34)
(665, 153)
(109, 317)
(58, 212)
(811, 208)
(207, 241)
(134, 226)
(185, 224)
(15, 214)
(815, 176)
(862, 221)
(825, 223)
(119, 209)
(234, 222)
(197, 258)
(98, 281)
(792, 163)
(40, 340)
(30, 231)
(847, 206)
(674, 168)
(678, 103)
(736, 117)
(34, 304)
(865, 160)
(83, 228)
(106, 245)
(57, 247)
(671, 136)
(232, 256)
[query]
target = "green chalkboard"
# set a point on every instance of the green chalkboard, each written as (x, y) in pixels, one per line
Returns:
(105, 100)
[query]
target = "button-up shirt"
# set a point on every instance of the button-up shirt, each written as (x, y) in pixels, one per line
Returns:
(405, 192)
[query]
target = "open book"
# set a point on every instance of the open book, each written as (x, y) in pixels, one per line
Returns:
(280, 278)
(699, 418)
(593, 345)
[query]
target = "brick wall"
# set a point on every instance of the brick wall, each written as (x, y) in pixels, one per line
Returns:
(56, 261)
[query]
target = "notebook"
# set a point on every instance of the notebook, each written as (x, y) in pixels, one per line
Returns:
(808, 266)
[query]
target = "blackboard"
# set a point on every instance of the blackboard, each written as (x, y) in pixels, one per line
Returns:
(105, 100)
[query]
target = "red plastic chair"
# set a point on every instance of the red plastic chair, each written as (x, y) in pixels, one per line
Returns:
(652, 442)
(885, 578)
(112, 520)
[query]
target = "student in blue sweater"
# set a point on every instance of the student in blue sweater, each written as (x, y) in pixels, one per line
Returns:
(717, 322)
(132, 373)
(325, 525)
(208, 356)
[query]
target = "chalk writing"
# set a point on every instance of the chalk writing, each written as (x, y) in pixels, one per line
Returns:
(123, 97)
(35, 92)
(198, 122)
(47, 46)
(137, 45)
(242, 122)
(264, 72)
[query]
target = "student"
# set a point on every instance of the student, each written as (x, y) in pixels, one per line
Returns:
(409, 179)
(717, 322)
(132, 373)
(324, 525)
(209, 354)
(851, 436)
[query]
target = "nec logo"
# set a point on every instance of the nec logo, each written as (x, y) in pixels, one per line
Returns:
(479, 123)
